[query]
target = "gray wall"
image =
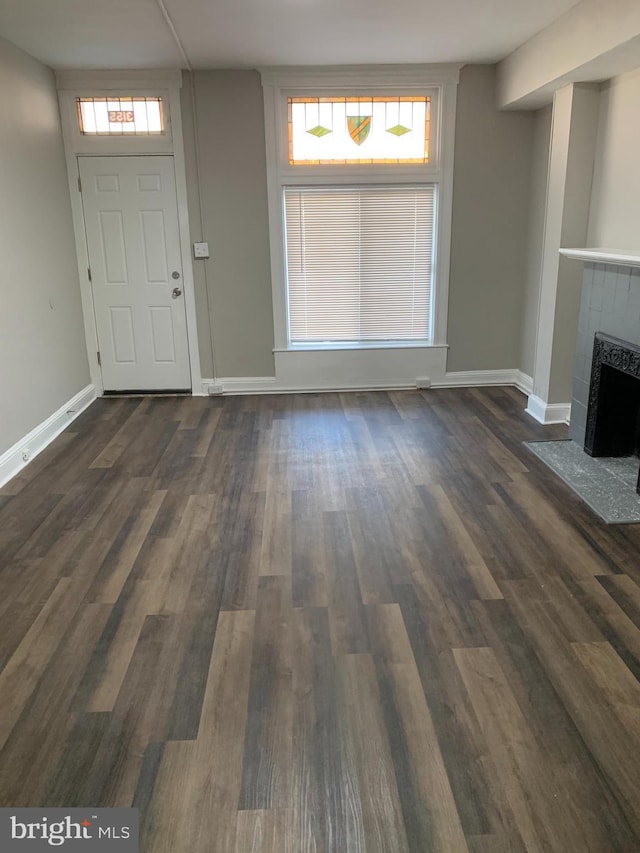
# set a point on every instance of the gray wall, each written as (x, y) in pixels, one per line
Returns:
(615, 202)
(489, 240)
(539, 174)
(233, 192)
(491, 188)
(194, 200)
(43, 360)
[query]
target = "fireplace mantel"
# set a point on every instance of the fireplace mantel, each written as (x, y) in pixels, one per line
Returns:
(620, 257)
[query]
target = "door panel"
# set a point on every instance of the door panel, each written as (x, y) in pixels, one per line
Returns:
(122, 335)
(162, 334)
(113, 249)
(155, 250)
(131, 222)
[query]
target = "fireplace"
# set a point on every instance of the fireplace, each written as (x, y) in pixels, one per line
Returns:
(613, 413)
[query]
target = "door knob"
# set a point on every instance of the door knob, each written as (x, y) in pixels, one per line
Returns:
(175, 292)
(175, 274)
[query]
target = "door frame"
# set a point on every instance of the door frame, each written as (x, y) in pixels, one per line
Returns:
(165, 84)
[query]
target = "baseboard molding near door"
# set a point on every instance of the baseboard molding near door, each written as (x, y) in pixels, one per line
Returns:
(238, 385)
(27, 448)
(548, 413)
(241, 385)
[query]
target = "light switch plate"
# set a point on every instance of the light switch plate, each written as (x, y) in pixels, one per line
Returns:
(200, 250)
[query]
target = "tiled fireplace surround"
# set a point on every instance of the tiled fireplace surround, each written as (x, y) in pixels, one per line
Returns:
(610, 303)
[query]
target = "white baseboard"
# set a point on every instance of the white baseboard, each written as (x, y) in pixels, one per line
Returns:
(240, 385)
(270, 385)
(478, 378)
(23, 451)
(524, 382)
(548, 413)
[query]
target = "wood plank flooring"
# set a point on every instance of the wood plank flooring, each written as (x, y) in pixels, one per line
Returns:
(320, 624)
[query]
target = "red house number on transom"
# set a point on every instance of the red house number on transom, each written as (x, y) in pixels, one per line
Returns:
(121, 116)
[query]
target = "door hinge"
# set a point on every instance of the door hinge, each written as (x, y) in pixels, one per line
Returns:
(99, 359)
(89, 273)
(79, 184)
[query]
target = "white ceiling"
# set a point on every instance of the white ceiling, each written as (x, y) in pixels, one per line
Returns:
(247, 33)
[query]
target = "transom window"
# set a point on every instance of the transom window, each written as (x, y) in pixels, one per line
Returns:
(359, 129)
(121, 116)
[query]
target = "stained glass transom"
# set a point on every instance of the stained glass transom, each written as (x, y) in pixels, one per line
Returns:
(324, 131)
(120, 116)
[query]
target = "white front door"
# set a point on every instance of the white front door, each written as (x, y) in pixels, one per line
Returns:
(131, 221)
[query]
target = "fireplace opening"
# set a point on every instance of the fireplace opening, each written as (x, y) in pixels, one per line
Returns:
(613, 415)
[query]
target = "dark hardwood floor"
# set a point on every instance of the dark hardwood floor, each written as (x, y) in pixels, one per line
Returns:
(320, 624)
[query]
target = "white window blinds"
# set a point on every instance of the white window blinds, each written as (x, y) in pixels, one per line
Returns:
(359, 263)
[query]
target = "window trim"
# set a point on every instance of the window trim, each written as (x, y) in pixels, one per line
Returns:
(440, 81)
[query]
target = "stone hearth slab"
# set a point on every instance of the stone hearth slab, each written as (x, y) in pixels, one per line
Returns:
(607, 485)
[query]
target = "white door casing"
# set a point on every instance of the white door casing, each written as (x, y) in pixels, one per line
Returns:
(132, 231)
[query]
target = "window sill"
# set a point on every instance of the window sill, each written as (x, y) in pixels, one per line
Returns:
(319, 347)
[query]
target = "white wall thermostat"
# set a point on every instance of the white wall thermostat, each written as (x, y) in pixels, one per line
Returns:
(200, 250)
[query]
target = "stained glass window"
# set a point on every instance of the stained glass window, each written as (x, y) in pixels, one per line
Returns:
(120, 116)
(325, 131)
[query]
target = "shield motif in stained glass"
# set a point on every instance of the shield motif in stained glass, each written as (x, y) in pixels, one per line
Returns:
(359, 127)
